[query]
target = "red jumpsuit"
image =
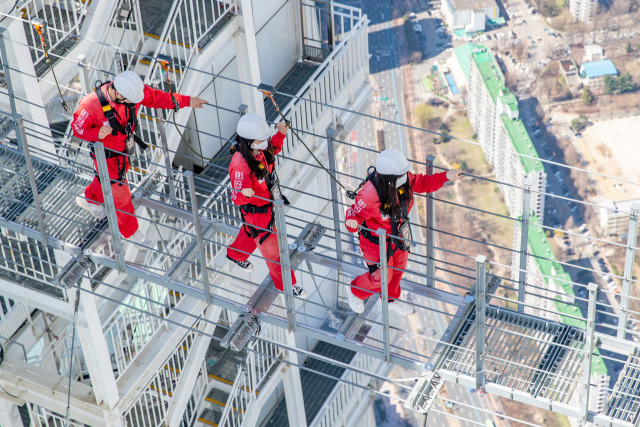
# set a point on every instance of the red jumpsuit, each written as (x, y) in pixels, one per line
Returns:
(366, 208)
(87, 121)
(244, 245)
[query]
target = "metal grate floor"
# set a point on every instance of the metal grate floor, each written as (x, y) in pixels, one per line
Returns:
(218, 168)
(156, 12)
(316, 385)
(290, 85)
(52, 14)
(624, 402)
(528, 354)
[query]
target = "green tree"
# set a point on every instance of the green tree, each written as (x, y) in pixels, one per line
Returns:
(627, 47)
(587, 96)
(425, 114)
(621, 84)
(579, 123)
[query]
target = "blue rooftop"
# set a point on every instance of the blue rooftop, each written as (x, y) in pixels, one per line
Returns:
(598, 69)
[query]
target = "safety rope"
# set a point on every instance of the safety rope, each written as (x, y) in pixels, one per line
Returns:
(269, 91)
(39, 25)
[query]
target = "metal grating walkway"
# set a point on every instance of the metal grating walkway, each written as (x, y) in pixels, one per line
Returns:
(155, 13)
(315, 387)
(217, 169)
(524, 353)
(62, 47)
(624, 402)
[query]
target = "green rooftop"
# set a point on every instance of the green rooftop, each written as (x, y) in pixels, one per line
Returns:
(463, 55)
(522, 144)
(490, 72)
(540, 248)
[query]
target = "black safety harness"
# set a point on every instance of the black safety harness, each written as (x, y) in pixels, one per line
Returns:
(117, 127)
(400, 238)
(273, 184)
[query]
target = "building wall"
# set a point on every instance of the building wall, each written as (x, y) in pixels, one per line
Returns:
(583, 10)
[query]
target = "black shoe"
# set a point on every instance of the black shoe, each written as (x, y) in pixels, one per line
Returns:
(246, 265)
(299, 292)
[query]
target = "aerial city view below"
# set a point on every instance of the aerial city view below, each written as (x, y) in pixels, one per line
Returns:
(357, 213)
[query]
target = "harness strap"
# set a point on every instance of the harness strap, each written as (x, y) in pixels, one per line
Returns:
(110, 114)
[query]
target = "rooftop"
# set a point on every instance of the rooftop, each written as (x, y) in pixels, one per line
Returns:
(460, 5)
(522, 144)
(598, 69)
(490, 72)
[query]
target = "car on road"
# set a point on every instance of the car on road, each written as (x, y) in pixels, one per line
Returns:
(448, 404)
(417, 28)
(413, 16)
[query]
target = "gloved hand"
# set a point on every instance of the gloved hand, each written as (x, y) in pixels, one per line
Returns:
(454, 175)
(247, 192)
(351, 223)
(282, 127)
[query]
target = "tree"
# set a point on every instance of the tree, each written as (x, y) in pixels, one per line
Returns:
(627, 47)
(579, 123)
(621, 84)
(587, 96)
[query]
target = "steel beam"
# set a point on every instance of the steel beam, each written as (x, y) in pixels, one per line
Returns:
(632, 235)
(588, 349)
(20, 133)
(481, 332)
(105, 182)
(431, 224)
(285, 263)
(524, 241)
(384, 291)
(198, 227)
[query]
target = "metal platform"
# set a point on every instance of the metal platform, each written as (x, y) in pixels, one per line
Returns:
(624, 402)
(59, 19)
(316, 387)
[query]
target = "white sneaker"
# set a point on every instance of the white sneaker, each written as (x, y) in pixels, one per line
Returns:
(298, 292)
(355, 303)
(97, 211)
(400, 307)
(139, 238)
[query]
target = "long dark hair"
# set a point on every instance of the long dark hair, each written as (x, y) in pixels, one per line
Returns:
(387, 193)
(244, 147)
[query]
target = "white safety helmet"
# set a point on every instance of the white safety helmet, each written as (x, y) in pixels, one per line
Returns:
(392, 162)
(254, 127)
(130, 85)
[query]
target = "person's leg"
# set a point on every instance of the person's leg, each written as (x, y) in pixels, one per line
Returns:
(242, 247)
(271, 253)
(125, 213)
(361, 285)
(93, 192)
(398, 262)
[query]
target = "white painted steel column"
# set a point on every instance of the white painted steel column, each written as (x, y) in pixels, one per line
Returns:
(24, 80)
(9, 415)
(248, 60)
(293, 388)
(95, 349)
(189, 376)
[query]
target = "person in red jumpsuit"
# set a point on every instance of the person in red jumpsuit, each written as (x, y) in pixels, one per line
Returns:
(91, 124)
(254, 182)
(385, 202)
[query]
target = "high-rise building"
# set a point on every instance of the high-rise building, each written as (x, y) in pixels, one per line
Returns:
(494, 115)
(583, 10)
